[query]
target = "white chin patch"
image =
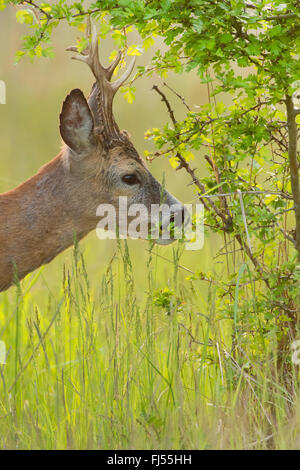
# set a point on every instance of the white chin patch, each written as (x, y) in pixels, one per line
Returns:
(162, 241)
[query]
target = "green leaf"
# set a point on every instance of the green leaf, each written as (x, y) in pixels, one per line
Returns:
(128, 93)
(24, 16)
(18, 56)
(82, 43)
(134, 50)
(174, 162)
(148, 42)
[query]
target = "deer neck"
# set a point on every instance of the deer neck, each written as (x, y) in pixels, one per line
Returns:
(38, 220)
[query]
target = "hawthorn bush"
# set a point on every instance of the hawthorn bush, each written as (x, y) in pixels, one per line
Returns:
(247, 51)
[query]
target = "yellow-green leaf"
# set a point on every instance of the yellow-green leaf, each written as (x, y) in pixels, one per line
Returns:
(270, 198)
(148, 42)
(81, 27)
(174, 162)
(113, 55)
(188, 156)
(46, 8)
(134, 50)
(38, 51)
(128, 93)
(23, 16)
(82, 44)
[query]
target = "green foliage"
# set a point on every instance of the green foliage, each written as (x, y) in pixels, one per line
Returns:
(129, 93)
(166, 299)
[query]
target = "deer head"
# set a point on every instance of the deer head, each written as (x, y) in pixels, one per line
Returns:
(97, 165)
(98, 152)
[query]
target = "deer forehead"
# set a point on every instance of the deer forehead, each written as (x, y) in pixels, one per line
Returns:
(125, 159)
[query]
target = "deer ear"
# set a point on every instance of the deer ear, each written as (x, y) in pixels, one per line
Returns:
(76, 122)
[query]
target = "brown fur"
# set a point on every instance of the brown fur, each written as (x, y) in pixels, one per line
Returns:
(40, 218)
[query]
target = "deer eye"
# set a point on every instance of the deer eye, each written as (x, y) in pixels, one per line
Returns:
(130, 179)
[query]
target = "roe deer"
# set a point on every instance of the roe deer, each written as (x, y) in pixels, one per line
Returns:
(97, 164)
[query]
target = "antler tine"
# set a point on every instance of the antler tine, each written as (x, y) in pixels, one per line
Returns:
(72, 49)
(91, 57)
(90, 54)
(110, 70)
(93, 50)
(118, 83)
(87, 35)
(88, 27)
(102, 108)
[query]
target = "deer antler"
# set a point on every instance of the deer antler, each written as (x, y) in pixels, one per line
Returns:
(107, 89)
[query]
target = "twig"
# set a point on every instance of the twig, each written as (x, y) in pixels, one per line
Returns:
(253, 193)
(37, 7)
(178, 96)
(244, 219)
(285, 16)
(164, 99)
(209, 343)
(294, 165)
(51, 17)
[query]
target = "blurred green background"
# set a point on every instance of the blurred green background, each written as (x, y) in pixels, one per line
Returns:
(29, 137)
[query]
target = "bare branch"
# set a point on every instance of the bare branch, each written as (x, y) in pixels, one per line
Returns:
(294, 165)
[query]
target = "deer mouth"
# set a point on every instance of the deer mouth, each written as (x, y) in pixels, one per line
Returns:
(160, 241)
(169, 231)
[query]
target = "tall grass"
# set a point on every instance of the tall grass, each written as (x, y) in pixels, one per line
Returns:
(96, 368)
(140, 358)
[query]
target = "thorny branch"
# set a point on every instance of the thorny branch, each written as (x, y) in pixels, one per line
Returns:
(208, 203)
